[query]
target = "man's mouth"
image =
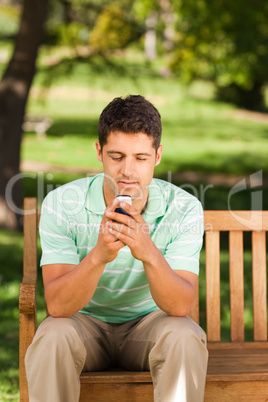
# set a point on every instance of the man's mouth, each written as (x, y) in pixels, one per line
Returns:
(127, 183)
(129, 187)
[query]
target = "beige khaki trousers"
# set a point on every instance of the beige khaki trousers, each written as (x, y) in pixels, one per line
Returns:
(173, 349)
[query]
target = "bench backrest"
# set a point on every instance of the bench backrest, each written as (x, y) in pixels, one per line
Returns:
(234, 222)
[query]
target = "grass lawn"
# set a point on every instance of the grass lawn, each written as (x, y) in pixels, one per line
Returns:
(199, 135)
(11, 249)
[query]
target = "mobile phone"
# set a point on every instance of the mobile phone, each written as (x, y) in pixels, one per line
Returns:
(125, 198)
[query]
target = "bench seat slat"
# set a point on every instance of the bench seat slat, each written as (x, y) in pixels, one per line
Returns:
(233, 391)
(117, 376)
(259, 278)
(221, 361)
(237, 345)
(114, 392)
(230, 365)
(220, 390)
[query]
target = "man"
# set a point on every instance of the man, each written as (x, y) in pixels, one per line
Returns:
(119, 287)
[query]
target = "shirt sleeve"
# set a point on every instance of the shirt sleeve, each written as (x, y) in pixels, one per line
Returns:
(57, 241)
(184, 251)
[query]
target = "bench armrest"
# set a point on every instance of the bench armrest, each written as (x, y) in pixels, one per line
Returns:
(27, 298)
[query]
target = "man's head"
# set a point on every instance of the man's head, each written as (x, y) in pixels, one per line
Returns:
(133, 114)
(129, 148)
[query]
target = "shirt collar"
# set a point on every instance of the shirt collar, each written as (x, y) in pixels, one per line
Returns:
(156, 204)
(95, 200)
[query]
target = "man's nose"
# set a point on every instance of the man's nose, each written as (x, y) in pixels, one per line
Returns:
(128, 167)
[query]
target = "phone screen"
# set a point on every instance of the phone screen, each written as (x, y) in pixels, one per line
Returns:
(125, 198)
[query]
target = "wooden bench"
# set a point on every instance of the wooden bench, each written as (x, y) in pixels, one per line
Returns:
(237, 370)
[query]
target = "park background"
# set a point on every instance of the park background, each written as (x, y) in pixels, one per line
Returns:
(203, 65)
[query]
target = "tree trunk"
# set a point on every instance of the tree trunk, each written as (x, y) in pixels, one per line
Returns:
(14, 90)
(150, 36)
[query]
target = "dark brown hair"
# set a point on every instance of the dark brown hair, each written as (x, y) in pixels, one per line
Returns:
(132, 114)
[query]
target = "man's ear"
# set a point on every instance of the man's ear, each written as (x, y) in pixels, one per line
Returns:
(158, 155)
(99, 153)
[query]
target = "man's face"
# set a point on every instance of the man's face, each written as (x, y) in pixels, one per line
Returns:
(128, 163)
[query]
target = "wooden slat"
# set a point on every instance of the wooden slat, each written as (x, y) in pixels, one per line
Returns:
(244, 367)
(233, 391)
(30, 237)
(236, 220)
(116, 376)
(236, 286)
(237, 345)
(213, 286)
(116, 385)
(259, 281)
(123, 392)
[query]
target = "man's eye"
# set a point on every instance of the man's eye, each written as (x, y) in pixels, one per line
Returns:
(117, 159)
(141, 159)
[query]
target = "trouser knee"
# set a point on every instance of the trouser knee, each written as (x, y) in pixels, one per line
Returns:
(184, 329)
(58, 332)
(56, 339)
(180, 335)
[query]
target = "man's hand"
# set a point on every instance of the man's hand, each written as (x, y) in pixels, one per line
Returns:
(108, 245)
(133, 231)
(68, 288)
(173, 291)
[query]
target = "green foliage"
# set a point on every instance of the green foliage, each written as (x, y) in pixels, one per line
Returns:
(223, 41)
(113, 29)
(73, 34)
(68, 23)
(105, 25)
(141, 8)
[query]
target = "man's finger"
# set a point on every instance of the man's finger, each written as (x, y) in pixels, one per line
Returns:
(110, 208)
(132, 212)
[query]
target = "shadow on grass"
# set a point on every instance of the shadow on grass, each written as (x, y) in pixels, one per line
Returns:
(237, 164)
(198, 123)
(87, 128)
(96, 66)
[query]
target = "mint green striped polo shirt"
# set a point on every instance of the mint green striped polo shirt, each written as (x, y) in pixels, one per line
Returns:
(69, 227)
